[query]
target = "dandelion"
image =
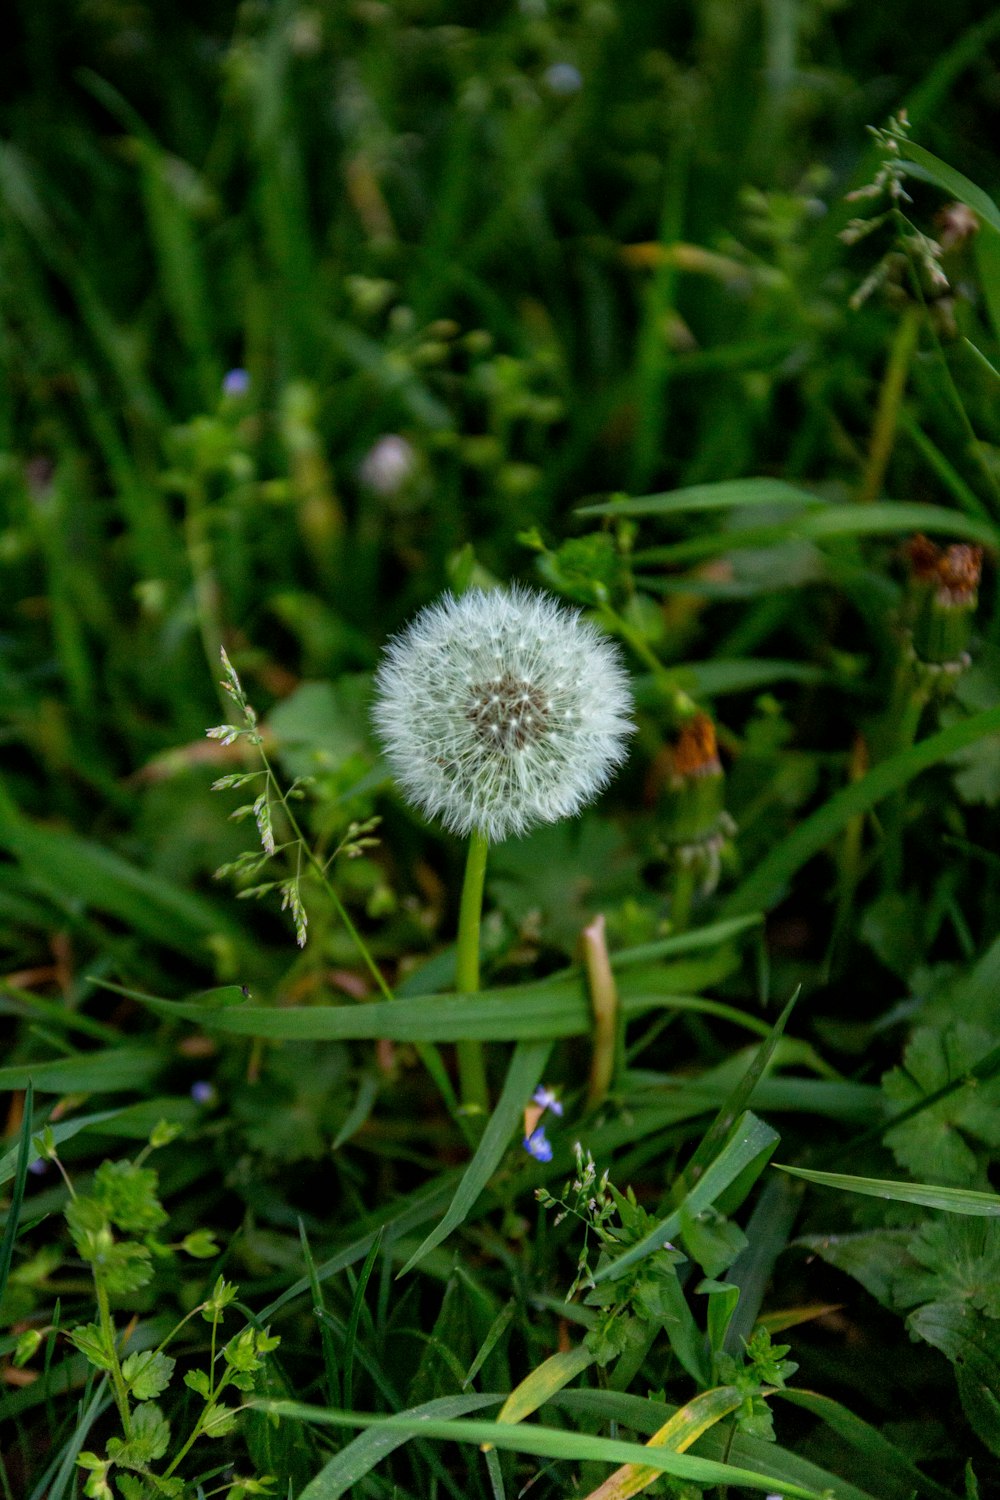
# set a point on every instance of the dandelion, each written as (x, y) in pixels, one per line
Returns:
(499, 711)
(538, 1145)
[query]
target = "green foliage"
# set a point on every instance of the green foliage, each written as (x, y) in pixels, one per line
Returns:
(620, 300)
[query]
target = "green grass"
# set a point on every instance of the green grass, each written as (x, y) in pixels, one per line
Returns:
(586, 259)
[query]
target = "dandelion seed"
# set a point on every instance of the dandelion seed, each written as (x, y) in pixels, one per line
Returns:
(502, 710)
(538, 1145)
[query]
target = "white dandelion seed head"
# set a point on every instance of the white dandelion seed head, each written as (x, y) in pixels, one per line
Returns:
(502, 710)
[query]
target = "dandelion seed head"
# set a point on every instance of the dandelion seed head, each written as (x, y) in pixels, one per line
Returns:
(502, 710)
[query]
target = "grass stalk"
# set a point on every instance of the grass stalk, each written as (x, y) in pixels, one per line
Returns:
(890, 402)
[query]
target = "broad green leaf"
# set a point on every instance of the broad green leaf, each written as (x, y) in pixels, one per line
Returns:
(941, 1132)
(972, 1343)
(766, 881)
(524, 1073)
(751, 1141)
(957, 1260)
(953, 1200)
(545, 1442)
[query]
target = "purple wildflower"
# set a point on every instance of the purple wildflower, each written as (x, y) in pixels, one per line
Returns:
(546, 1097)
(537, 1145)
(202, 1092)
(236, 382)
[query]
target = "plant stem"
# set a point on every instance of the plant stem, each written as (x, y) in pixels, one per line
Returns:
(909, 699)
(681, 897)
(471, 1064)
(117, 1378)
(889, 402)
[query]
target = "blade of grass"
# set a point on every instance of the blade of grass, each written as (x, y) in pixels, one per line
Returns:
(765, 882)
(930, 1195)
(544, 1442)
(750, 1142)
(17, 1193)
(524, 1073)
(357, 1307)
(361, 1455)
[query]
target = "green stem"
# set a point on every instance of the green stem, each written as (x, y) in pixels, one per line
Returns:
(426, 1051)
(117, 1378)
(909, 699)
(471, 1064)
(889, 403)
(681, 897)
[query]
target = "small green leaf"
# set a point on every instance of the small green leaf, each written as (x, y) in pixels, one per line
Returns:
(197, 1380)
(201, 1244)
(149, 1441)
(219, 1421)
(147, 1373)
(163, 1132)
(90, 1340)
(128, 1194)
(26, 1347)
(223, 1293)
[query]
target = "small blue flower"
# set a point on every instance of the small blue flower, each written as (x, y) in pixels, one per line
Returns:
(563, 79)
(202, 1092)
(537, 1145)
(235, 382)
(546, 1097)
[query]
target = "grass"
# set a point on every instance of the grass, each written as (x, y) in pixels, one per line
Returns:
(588, 263)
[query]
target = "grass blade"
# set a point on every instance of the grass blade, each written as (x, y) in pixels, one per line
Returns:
(524, 1073)
(952, 1200)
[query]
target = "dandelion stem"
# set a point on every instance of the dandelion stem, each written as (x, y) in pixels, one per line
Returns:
(471, 1064)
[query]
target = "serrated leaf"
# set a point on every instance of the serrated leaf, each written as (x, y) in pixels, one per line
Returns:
(90, 1340)
(124, 1268)
(958, 1260)
(149, 1440)
(219, 1421)
(937, 1056)
(197, 1380)
(148, 1373)
(128, 1196)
